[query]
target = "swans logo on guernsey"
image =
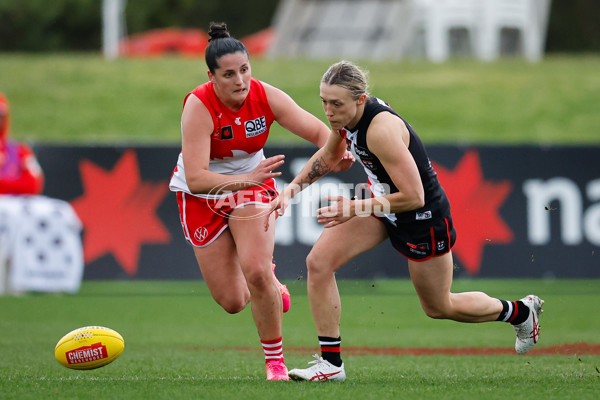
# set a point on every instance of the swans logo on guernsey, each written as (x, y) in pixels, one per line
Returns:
(85, 354)
(255, 127)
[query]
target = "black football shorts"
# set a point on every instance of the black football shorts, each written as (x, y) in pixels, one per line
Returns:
(422, 240)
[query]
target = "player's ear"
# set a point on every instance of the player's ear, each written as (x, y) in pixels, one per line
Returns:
(211, 77)
(361, 100)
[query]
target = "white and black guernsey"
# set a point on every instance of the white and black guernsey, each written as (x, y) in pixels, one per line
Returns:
(436, 202)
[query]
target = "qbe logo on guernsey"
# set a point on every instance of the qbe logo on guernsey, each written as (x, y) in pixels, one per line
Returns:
(255, 127)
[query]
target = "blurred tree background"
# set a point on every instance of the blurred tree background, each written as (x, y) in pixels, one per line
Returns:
(76, 25)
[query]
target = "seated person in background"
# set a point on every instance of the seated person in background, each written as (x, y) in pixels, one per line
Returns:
(20, 172)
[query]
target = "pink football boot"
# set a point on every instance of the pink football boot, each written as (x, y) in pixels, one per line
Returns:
(285, 293)
(276, 370)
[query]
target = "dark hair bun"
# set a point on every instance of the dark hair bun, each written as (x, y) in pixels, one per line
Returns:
(218, 31)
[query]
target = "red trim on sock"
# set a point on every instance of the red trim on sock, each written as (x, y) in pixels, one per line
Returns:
(272, 341)
(515, 311)
(330, 349)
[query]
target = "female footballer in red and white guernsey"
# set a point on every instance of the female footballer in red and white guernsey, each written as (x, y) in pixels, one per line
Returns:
(407, 205)
(224, 185)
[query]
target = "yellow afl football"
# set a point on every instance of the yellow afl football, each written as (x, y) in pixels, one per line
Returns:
(89, 347)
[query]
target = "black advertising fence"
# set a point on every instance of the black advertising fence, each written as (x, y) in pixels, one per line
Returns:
(519, 211)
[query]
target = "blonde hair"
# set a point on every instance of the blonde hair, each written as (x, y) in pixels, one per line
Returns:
(348, 76)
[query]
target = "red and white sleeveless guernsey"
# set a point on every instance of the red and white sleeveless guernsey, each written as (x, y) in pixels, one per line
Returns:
(238, 137)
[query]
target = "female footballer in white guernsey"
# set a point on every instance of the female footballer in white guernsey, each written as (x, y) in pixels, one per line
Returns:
(224, 185)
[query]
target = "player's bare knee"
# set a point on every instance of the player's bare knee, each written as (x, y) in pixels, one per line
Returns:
(233, 306)
(435, 312)
(317, 264)
(258, 280)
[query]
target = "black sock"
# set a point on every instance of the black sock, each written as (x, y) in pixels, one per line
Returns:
(505, 306)
(514, 312)
(522, 313)
(330, 349)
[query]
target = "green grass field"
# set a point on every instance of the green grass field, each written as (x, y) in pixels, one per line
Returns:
(73, 98)
(181, 345)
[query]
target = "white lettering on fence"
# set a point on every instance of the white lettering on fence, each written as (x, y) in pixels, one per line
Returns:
(575, 223)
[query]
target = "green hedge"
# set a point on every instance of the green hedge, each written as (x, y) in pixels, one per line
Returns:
(73, 25)
(50, 25)
(574, 26)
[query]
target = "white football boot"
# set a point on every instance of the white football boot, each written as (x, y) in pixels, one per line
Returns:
(528, 332)
(321, 371)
